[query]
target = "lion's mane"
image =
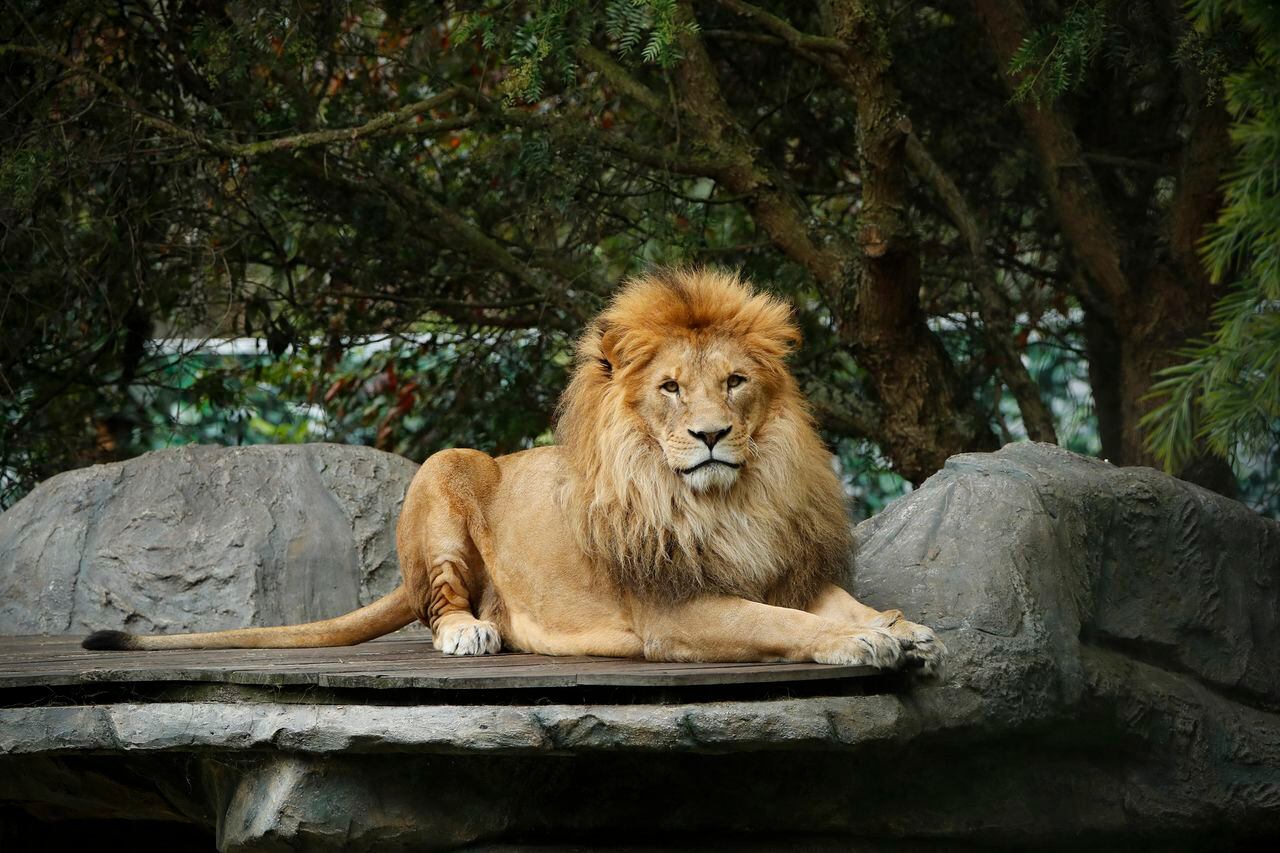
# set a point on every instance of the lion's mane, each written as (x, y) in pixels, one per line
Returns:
(777, 535)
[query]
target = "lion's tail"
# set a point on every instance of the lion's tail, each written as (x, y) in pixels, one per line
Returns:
(383, 616)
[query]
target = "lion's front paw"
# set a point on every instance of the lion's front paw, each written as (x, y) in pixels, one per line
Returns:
(921, 648)
(863, 646)
(469, 638)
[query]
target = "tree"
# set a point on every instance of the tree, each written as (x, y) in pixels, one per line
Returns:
(1227, 392)
(468, 180)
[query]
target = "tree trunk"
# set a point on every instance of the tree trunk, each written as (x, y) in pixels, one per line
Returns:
(1173, 312)
(928, 415)
(1141, 304)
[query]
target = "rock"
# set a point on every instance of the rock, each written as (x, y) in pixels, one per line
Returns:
(1113, 681)
(202, 539)
(1048, 554)
(1110, 610)
(827, 722)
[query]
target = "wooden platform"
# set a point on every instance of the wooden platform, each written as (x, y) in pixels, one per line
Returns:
(401, 661)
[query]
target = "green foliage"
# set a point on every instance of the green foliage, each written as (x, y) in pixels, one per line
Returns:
(22, 174)
(653, 23)
(540, 48)
(626, 21)
(1214, 54)
(376, 395)
(1227, 391)
(1055, 58)
(543, 42)
(475, 26)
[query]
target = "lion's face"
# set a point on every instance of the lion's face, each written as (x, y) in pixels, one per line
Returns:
(694, 462)
(702, 401)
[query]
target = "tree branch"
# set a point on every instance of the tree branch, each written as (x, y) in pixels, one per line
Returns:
(582, 134)
(623, 81)
(828, 54)
(111, 86)
(789, 34)
(401, 122)
(1073, 192)
(1198, 194)
(998, 315)
(397, 121)
(776, 208)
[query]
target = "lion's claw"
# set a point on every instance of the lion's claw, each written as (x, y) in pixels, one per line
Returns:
(922, 650)
(469, 638)
(864, 647)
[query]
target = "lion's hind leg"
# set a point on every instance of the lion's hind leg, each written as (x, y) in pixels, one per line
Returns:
(455, 630)
(442, 566)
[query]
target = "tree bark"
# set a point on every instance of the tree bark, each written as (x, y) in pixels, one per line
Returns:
(926, 405)
(1084, 218)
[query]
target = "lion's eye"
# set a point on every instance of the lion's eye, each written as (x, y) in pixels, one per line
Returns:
(736, 379)
(670, 386)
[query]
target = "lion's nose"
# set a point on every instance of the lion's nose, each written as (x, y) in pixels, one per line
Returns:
(711, 436)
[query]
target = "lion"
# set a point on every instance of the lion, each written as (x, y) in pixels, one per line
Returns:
(689, 511)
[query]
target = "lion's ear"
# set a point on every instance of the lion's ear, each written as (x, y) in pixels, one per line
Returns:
(773, 328)
(597, 347)
(788, 336)
(610, 337)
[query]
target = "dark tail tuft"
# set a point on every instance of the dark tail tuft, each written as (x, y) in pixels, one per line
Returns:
(110, 641)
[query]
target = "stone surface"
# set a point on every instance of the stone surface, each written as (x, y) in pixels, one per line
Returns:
(826, 722)
(1047, 553)
(1114, 682)
(202, 539)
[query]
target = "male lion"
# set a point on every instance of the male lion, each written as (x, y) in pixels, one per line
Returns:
(689, 511)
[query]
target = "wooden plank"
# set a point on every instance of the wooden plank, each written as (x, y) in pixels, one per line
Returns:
(465, 680)
(71, 643)
(409, 654)
(159, 659)
(402, 661)
(515, 669)
(73, 651)
(513, 665)
(20, 643)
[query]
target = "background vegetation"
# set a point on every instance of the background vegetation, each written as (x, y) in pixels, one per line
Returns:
(384, 222)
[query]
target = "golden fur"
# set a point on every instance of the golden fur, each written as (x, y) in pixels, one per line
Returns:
(688, 512)
(777, 535)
